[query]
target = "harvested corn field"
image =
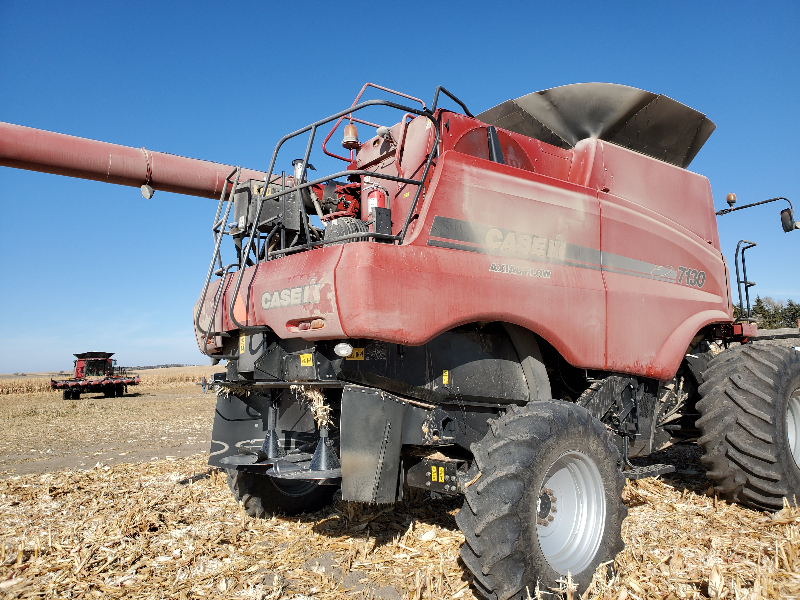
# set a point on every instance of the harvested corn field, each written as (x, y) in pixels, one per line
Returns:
(169, 528)
(163, 417)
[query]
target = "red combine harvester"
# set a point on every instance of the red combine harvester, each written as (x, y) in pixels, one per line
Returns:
(507, 307)
(95, 373)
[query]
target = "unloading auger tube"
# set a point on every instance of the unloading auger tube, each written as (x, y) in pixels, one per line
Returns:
(59, 154)
(458, 324)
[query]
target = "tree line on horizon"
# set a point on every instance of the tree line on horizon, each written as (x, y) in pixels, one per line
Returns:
(773, 314)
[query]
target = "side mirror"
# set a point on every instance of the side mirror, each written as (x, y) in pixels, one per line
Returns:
(787, 220)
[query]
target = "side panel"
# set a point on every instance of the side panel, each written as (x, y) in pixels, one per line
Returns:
(679, 195)
(664, 281)
(480, 365)
(495, 243)
(279, 293)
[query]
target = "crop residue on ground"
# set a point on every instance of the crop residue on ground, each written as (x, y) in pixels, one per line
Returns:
(170, 528)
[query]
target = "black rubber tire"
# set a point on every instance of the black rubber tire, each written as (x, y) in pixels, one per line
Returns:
(499, 516)
(119, 390)
(263, 496)
(67, 395)
(345, 226)
(743, 409)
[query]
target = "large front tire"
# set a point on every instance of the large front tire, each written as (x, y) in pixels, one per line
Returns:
(750, 421)
(263, 496)
(548, 501)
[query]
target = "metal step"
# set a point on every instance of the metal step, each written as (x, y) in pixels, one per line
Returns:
(648, 471)
(252, 461)
(242, 460)
(283, 469)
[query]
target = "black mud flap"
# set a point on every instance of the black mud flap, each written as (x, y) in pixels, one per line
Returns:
(374, 426)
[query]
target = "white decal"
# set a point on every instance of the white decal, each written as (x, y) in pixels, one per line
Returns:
(514, 270)
(305, 294)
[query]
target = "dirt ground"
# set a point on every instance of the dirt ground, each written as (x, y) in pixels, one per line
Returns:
(41, 432)
(113, 498)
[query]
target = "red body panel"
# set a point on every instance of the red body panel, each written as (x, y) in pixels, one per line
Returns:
(419, 290)
(609, 255)
(305, 288)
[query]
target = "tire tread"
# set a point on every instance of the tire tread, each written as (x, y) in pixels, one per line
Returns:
(739, 421)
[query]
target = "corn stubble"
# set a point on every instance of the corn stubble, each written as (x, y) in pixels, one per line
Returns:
(170, 528)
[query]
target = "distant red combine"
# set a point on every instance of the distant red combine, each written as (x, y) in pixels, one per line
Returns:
(95, 372)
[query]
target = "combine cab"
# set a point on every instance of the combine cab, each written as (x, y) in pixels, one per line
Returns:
(505, 307)
(95, 373)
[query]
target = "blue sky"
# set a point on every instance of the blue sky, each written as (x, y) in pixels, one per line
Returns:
(91, 266)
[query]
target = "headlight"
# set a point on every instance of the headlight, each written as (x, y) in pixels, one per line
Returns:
(343, 349)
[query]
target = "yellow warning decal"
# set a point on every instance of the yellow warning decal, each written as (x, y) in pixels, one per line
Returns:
(406, 194)
(356, 354)
(433, 473)
(306, 360)
(445, 377)
(441, 474)
(242, 343)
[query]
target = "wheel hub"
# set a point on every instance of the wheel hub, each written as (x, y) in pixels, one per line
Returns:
(570, 535)
(793, 425)
(545, 506)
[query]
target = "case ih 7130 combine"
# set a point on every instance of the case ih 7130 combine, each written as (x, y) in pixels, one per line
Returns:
(505, 307)
(95, 373)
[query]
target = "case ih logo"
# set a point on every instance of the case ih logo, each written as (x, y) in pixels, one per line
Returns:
(484, 239)
(304, 294)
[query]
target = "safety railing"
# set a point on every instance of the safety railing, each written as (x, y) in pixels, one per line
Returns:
(259, 244)
(742, 281)
(302, 184)
(218, 230)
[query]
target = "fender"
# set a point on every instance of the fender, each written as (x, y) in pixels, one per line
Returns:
(669, 357)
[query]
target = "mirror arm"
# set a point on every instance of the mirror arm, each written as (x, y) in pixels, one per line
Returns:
(725, 211)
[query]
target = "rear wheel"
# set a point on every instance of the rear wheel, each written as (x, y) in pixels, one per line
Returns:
(263, 496)
(548, 502)
(750, 420)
